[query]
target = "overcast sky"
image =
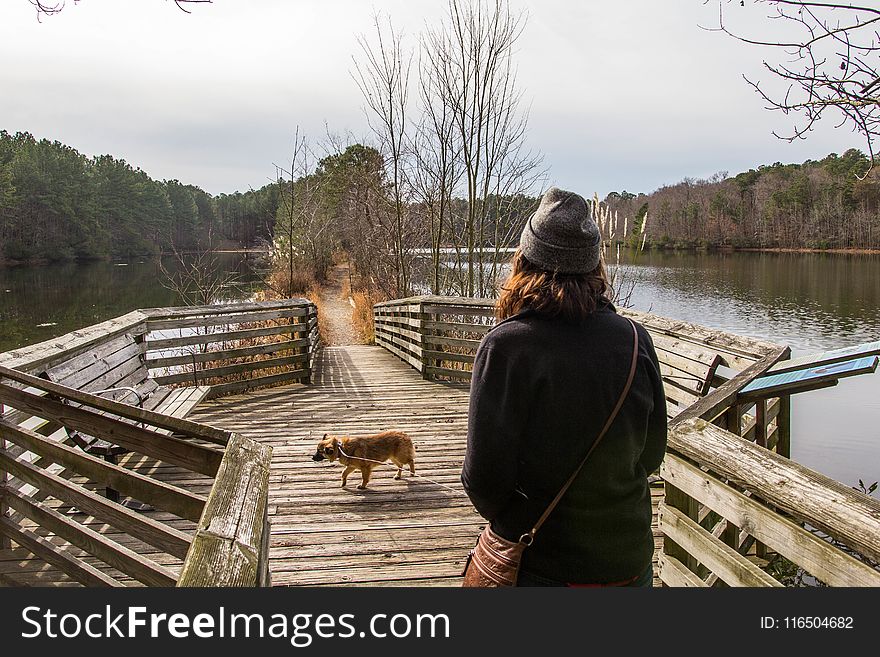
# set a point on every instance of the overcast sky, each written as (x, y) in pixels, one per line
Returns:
(623, 95)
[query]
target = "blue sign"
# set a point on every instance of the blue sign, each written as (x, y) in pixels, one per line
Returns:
(805, 377)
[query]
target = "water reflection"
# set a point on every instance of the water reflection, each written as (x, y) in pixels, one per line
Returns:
(64, 297)
(807, 301)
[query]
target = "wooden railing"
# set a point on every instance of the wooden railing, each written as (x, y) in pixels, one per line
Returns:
(732, 508)
(212, 528)
(231, 544)
(439, 336)
(733, 501)
(232, 347)
(51, 496)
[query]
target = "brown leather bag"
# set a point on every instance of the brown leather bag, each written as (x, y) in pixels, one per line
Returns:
(495, 561)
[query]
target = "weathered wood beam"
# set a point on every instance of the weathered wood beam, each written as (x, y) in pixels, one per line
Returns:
(731, 343)
(821, 559)
(218, 372)
(159, 344)
(228, 545)
(150, 531)
(808, 496)
(220, 389)
(728, 564)
(225, 354)
(720, 399)
(177, 451)
(224, 319)
(163, 496)
(226, 308)
(673, 573)
(107, 550)
(43, 354)
(177, 425)
(52, 554)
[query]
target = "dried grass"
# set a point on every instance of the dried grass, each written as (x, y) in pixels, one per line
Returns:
(362, 314)
(200, 368)
(299, 284)
(314, 295)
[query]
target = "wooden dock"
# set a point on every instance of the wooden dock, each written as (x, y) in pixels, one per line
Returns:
(239, 502)
(411, 532)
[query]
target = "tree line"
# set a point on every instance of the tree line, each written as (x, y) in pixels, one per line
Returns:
(58, 204)
(822, 204)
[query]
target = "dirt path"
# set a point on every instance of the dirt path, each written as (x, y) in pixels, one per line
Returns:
(337, 309)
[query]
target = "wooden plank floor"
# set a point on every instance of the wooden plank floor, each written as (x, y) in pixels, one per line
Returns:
(407, 532)
(412, 532)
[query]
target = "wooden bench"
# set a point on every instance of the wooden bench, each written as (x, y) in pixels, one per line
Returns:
(116, 370)
(687, 370)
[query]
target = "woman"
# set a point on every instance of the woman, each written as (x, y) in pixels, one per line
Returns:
(545, 380)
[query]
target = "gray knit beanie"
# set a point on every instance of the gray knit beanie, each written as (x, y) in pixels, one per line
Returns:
(561, 236)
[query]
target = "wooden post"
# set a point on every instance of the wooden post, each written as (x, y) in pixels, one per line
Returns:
(313, 344)
(265, 575)
(761, 423)
(761, 441)
(5, 543)
(733, 419)
(423, 333)
(730, 536)
(308, 350)
(228, 545)
(687, 505)
(783, 427)
(293, 336)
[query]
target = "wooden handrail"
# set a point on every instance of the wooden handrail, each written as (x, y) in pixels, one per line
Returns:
(43, 354)
(232, 519)
(222, 308)
(229, 546)
(178, 426)
(751, 494)
(804, 494)
(294, 355)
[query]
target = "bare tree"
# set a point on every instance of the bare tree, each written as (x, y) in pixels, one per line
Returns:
(383, 78)
(830, 64)
(197, 276)
(436, 173)
(301, 246)
(471, 58)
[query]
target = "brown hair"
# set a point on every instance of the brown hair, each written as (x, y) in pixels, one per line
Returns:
(572, 297)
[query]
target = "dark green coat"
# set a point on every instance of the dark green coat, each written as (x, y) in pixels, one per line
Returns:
(541, 391)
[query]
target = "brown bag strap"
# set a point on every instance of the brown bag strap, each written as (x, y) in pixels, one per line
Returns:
(528, 537)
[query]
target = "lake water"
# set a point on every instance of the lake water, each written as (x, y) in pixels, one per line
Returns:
(39, 303)
(811, 302)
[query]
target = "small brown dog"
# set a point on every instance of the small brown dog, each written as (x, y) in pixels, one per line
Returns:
(368, 452)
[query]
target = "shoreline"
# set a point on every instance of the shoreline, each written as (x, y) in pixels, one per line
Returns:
(41, 262)
(806, 250)
(758, 249)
